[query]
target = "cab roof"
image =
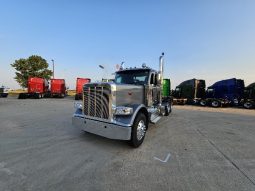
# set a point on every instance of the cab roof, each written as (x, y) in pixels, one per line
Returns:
(136, 69)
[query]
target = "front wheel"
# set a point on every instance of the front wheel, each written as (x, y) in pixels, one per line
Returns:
(168, 109)
(138, 130)
(76, 97)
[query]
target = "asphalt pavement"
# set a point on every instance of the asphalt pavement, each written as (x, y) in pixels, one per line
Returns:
(192, 149)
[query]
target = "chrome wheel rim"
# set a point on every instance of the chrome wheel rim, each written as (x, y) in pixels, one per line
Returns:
(247, 105)
(215, 104)
(202, 103)
(168, 108)
(141, 129)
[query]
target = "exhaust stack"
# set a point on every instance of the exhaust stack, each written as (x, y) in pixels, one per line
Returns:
(161, 68)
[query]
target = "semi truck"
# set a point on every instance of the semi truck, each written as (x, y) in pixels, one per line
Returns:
(124, 108)
(190, 91)
(224, 93)
(4, 91)
(249, 96)
(57, 88)
(80, 82)
(36, 88)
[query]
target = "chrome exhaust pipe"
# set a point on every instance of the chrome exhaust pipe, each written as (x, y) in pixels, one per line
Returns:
(161, 68)
(161, 71)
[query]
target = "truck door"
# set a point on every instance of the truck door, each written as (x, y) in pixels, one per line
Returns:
(155, 88)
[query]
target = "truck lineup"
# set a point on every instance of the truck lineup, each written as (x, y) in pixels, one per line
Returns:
(39, 88)
(229, 92)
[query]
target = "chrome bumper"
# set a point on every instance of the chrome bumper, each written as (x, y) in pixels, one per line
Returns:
(108, 130)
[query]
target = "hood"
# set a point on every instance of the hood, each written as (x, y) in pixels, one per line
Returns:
(121, 94)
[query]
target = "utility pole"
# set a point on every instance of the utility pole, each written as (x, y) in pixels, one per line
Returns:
(53, 67)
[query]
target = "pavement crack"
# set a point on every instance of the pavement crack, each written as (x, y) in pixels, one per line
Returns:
(227, 158)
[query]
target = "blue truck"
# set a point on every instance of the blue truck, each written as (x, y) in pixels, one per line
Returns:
(224, 93)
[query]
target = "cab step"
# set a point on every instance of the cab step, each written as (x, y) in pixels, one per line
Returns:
(155, 118)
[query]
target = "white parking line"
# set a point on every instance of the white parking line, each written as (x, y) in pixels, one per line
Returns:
(167, 158)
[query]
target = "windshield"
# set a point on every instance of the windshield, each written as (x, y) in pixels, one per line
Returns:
(177, 89)
(132, 77)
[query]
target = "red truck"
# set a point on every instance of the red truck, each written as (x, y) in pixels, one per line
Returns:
(58, 88)
(79, 87)
(36, 88)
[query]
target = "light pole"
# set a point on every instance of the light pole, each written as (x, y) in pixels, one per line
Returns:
(53, 67)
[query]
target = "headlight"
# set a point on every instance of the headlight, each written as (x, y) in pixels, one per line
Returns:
(77, 105)
(123, 110)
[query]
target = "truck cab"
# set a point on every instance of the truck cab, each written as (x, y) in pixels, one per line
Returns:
(124, 108)
(224, 92)
(190, 91)
(249, 96)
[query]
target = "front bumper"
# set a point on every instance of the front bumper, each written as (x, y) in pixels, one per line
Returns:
(104, 129)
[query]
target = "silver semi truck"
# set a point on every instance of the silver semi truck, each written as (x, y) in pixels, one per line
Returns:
(124, 108)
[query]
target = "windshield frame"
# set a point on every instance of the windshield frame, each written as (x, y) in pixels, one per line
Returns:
(127, 76)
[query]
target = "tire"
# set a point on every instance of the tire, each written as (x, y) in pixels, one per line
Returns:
(215, 103)
(248, 105)
(168, 109)
(202, 103)
(22, 96)
(138, 130)
(76, 97)
(36, 96)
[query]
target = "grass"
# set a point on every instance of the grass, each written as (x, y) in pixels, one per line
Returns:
(71, 92)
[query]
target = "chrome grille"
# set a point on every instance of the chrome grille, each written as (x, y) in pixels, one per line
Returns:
(96, 101)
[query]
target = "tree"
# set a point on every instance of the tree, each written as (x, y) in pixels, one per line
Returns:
(34, 66)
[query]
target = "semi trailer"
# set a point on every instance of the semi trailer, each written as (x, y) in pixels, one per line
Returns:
(36, 88)
(3, 92)
(249, 96)
(190, 91)
(57, 88)
(80, 82)
(124, 108)
(224, 93)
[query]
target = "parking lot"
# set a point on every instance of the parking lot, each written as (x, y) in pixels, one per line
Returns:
(194, 148)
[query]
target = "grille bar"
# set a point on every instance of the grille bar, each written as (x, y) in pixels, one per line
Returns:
(96, 101)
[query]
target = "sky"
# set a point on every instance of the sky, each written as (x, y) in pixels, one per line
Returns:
(203, 39)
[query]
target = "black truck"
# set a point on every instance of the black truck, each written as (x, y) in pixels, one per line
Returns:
(249, 96)
(190, 91)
